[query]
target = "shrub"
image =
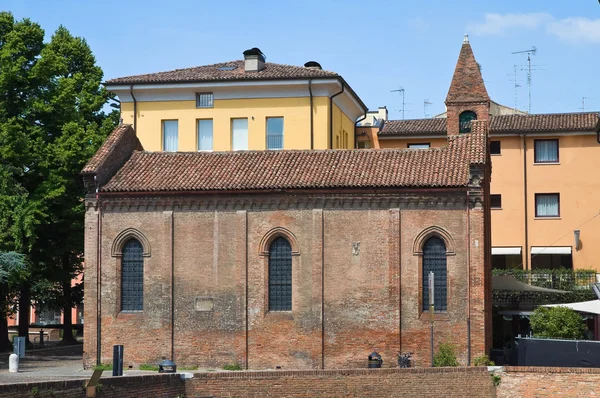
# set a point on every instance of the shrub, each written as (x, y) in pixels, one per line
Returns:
(557, 323)
(483, 360)
(446, 356)
(233, 366)
(103, 366)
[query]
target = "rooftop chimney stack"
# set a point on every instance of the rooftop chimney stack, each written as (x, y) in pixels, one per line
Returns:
(255, 60)
(313, 65)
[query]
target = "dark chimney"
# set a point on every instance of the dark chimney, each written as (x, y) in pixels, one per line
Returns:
(313, 65)
(255, 60)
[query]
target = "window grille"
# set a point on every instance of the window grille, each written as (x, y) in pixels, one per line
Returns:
(434, 260)
(204, 100)
(132, 276)
(280, 275)
(274, 133)
(464, 120)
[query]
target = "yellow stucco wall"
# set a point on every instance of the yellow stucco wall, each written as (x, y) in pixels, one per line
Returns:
(343, 130)
(574, 178)
(295, 111)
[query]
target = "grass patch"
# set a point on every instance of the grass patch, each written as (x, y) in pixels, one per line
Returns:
(232, 366)
(148, 366)
(195, 367)
(103, 366)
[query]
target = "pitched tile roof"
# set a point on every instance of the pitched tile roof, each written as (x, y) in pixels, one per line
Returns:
(222, 72)
(414, 127)
(557, 122)
(289, 170)
(553, 122)
(113, 153)
(467, 83)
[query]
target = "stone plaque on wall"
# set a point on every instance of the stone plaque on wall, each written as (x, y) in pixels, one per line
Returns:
(204, 304)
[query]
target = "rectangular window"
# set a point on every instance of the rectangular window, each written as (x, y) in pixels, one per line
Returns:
(546, 151)
(204, 100)
(425, 145)
(547, 205)
(169, 132)
(205, 135)
(495, 148)
(274, 133)
(496, 201)
(363, 144)
(239, 134)
(345, 139)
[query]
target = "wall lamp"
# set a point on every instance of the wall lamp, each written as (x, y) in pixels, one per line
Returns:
(577, 234)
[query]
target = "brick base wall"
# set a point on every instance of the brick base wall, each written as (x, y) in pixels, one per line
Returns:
(439, 382)
(530, 382)
(155, 386)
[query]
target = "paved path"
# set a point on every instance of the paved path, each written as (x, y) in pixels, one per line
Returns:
(56, 363)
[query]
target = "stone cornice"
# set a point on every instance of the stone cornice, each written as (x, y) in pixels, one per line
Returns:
(451, 200)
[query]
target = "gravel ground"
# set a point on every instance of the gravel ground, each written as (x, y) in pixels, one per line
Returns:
(53, 363)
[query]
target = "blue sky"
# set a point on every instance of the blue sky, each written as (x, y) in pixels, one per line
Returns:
(377, 46)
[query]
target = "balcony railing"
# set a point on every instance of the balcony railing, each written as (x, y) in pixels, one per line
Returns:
(560, 279)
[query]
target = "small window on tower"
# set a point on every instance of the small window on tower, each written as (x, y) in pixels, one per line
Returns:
(464, 121)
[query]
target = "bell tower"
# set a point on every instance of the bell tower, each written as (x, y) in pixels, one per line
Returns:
(467, 97)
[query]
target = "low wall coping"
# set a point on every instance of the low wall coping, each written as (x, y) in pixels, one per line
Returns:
(549, 369)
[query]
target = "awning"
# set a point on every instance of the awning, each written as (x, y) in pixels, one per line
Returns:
(507, 251)
(589, 307)
(551, 250)
(508, 282)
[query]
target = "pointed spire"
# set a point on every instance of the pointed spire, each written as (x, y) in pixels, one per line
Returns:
(467, 83)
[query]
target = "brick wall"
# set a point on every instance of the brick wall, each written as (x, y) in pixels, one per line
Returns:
(531, 382)
(346, 302)
(155, 386)
(437, 382)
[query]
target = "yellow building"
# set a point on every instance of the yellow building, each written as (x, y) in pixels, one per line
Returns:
(545, 190)
(247, 104)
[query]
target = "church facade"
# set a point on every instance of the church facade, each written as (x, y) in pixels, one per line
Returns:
(297, 259)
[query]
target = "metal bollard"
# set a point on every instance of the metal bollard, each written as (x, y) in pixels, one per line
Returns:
(41, 337)
(117, 360)
(13, 363)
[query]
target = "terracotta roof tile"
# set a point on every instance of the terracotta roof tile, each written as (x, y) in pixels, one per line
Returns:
(588, 121)
(558, 122)
(328, 169)
(215, 72)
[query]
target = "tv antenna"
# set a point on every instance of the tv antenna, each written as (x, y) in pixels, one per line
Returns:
(401, 91)
(516, 84)
(425, 103)
(583, 103)
(529, 53)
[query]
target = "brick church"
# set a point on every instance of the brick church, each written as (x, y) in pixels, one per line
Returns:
(295, 258)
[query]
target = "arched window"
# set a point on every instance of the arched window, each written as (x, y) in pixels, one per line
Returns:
(132, 276)
(434, 260)
(280, 275)
(464, 120)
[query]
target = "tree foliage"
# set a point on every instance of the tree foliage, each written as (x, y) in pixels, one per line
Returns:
(557, 323)
(52, 120)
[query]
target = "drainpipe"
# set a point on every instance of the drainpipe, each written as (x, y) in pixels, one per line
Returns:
(468, 281)
(331, 116)
(312, 129)
(525, 201)
(356, 135)
(172, 287)
(134, 109)
(98, 278)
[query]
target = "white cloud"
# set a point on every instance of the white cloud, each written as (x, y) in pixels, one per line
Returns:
(500, 25)
(576, 30)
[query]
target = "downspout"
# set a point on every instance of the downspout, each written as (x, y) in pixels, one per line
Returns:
(331, 116)
(134, 109)
(468, 280)
(525, 200)
(312, 127)
(98, 278)
(322, 290)
(363, 117)
(172, 287)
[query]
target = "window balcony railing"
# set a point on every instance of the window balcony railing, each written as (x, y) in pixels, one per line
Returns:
(559, 279)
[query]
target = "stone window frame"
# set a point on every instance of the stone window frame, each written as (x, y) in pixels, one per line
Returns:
(263, 252)
(418, 244)
(117, 252)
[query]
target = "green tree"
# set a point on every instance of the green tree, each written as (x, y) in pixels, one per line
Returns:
(557, 323)
(12, 269)
(52, 120)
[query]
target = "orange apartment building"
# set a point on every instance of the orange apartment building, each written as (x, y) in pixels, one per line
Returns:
(544, 193)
